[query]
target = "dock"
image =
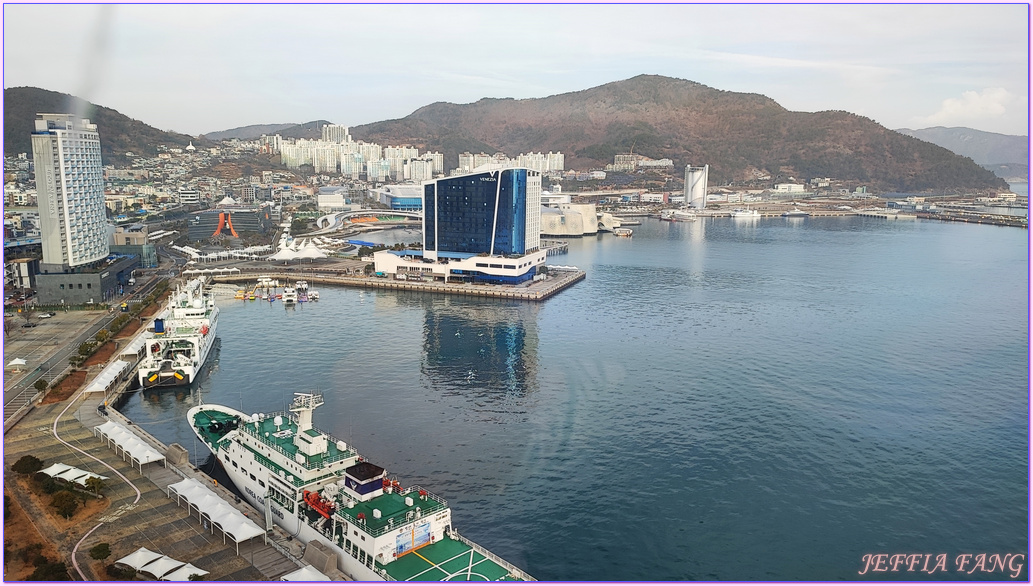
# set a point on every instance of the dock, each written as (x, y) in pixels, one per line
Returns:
(978, 218)
(558, 280)
(139, 512)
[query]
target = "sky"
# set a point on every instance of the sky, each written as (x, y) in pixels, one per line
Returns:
(203, 68)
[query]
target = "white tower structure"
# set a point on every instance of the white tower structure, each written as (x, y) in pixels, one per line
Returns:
(696, 186)
(70, 190)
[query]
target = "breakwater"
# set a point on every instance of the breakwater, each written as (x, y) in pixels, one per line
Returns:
(556, 281)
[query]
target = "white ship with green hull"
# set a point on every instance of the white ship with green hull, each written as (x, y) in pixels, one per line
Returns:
(318, 488)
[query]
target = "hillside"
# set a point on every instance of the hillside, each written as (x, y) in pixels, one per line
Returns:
(985, 148)
(248, 132)
(740, 135)
(310, 130)
(119, 134)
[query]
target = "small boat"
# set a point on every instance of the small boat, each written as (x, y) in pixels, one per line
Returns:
(289, 296)
(745, 213)
(313, 295)
(673, 215)
(622, 232)
(795, 213)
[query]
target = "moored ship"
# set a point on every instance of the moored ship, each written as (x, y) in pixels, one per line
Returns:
(319, 489)
(183, 337)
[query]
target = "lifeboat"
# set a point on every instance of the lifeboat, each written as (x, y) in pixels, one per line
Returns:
(321, 505)
(204, 330)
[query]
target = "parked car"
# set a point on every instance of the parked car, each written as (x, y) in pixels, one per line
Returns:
(29, 324)
(46, 315)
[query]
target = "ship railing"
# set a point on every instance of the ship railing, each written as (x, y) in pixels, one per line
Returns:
(438, 505)
(250, 430)
(513, 570)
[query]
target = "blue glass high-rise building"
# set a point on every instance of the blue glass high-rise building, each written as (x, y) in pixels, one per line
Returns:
(494, 213)
(482, 227)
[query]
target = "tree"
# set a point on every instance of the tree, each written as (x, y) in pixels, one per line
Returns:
(50, 572)
(94, 484)
(100, 551)
(66, 503)
(102, 336)
(40, 385)
(27, 465)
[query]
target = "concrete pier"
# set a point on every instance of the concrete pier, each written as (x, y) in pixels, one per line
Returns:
(557, 281)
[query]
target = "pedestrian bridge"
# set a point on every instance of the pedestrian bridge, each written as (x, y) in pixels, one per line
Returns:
(333, 222)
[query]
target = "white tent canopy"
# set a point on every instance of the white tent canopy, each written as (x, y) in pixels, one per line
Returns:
(139, 558)
(17, 362)
(138, 451)
(305, 574)
(161, 566)
(137, 344)
(208, 504)
(183, 574)
(70, 474)
(107, 376)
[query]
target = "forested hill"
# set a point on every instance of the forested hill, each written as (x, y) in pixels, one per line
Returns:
(119, 133)
(741, 136)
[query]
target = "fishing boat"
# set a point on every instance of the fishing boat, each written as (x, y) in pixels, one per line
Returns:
(321, 491)
(184, 333)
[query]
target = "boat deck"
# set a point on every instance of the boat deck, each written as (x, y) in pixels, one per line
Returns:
(446, 561)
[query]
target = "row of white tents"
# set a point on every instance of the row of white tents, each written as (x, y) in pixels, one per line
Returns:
(70, 474)
(137, 450)
(220, 514)
(160, 567)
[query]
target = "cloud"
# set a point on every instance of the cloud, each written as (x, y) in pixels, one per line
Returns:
(972, 108)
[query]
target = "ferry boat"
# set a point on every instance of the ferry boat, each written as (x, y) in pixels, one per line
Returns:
(184, 333)
(745, 213)
(319, 489)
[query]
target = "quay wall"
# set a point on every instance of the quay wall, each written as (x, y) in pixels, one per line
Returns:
(536, 291)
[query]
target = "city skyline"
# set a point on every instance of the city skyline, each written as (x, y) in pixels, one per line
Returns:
(198, 69)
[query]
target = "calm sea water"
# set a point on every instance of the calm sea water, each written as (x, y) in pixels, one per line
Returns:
(720, 400)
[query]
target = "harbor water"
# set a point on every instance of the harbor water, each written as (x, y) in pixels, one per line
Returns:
(767, 399)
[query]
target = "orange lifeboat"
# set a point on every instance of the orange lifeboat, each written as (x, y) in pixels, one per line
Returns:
(321, 505)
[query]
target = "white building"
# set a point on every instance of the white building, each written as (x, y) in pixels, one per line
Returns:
(70, 190)
(696, 185)
(189, 196)
(336, 133)
(789, 188)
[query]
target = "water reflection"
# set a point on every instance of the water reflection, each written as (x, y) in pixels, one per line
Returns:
(485, 351)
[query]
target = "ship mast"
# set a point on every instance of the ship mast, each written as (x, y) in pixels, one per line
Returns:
(303, 404)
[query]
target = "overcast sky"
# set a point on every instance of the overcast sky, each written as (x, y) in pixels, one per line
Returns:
(197, 69)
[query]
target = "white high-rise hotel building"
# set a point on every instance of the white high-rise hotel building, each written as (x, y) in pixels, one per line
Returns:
(70, 190)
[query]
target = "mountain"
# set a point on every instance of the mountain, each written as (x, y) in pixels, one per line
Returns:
(119, 134)
(248, 132)
(1006, 155)
(310, 130)
(985, 148)
(739, 135)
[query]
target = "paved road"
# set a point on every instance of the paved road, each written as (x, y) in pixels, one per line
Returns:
(21, 392)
